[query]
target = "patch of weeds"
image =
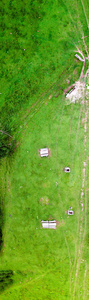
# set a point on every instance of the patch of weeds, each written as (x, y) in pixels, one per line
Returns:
(6, 278)
(44, 200)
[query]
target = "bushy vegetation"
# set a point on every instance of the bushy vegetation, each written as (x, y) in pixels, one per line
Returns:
(6, 278)
(39, 40)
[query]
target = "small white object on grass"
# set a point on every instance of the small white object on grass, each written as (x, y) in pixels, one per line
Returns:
(70, 212)
(77, 93)
(66, 170)
(49, 224)
(77, 56)
(44, 152)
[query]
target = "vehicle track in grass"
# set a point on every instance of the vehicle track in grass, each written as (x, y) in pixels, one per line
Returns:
(72, 266)
(82, 228)
(76, 140)
(78, 205)
(34, 109)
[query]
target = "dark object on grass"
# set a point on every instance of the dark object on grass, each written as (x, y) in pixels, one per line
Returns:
(70, 212)
(6, 278)
(69, 88)
(9, 215)
(66, 170)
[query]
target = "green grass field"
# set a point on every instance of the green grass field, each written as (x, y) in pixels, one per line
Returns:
(46, 264)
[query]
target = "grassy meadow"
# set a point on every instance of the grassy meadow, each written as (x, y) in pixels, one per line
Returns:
(38, 46)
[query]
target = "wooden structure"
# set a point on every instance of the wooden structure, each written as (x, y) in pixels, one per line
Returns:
(49, 224)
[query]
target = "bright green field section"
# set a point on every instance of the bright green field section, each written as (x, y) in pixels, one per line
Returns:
(44, 261)
(39, 41)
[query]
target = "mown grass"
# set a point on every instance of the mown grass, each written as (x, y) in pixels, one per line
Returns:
(39, 256)
(43, 262)
(37, 41)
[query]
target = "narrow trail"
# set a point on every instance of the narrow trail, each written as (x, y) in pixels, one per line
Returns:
(71, 267)
(78, 222)
(82, 228)
(85, 13)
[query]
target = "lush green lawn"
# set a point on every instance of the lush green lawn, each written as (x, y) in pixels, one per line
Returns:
(43, 257)
(38, 44)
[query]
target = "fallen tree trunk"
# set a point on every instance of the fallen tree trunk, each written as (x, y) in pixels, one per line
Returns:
(82, 72)
(69, 87)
